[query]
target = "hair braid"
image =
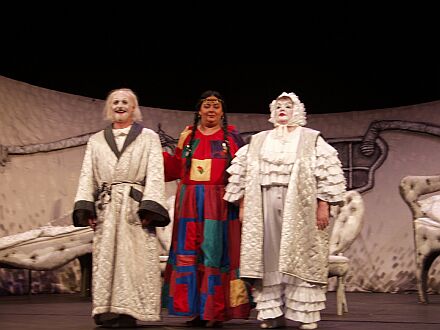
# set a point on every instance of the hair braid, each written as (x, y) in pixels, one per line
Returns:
(188, 151)
(225, 145)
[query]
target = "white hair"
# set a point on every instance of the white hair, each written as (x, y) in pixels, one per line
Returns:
(299, 111)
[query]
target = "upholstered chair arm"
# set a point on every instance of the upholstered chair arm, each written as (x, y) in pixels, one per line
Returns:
(414, 186)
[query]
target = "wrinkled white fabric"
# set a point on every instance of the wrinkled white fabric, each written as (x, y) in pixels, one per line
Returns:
(431, 207)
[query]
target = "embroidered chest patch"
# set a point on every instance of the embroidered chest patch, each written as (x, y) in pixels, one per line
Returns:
(200, 170)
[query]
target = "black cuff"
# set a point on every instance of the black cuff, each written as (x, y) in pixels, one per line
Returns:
(153, 211)
(82, 212)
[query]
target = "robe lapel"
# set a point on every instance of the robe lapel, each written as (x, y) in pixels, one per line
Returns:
(108, 134)
(135, 130)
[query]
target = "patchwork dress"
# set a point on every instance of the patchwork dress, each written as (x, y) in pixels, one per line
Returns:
(202, 275)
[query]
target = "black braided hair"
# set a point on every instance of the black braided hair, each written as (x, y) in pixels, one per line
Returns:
(226, 147)
(225, 144)
(188, 148)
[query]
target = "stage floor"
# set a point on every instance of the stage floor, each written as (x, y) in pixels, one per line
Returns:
(374, 311)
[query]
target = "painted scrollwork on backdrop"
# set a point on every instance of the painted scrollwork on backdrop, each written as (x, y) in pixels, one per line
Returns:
(360, 156)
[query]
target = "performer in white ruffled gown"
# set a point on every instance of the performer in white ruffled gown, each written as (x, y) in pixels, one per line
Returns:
(285, 179)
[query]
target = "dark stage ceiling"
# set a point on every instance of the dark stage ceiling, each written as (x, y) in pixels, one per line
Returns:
(341, 56)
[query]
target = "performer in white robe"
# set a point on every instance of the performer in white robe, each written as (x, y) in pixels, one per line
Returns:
(288, 177)
(121, 195)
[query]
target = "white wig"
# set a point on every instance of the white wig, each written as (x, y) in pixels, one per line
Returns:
(299, 111)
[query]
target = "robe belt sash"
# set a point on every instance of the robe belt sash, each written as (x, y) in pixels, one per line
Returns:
(103, 195)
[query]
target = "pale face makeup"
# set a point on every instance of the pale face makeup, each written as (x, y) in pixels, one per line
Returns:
(122, 109)
(283, 110)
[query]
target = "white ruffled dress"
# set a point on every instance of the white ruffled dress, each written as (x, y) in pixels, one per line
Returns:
(281, 294)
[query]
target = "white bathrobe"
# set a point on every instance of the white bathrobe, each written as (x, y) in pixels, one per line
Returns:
(115, 183)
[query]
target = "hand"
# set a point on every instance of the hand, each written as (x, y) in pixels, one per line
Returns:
(322, 215)
(93, 223)
(241, 210)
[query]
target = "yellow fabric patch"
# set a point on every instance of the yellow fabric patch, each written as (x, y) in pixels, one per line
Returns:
(183, 136)
(200, 169)
(238, 293)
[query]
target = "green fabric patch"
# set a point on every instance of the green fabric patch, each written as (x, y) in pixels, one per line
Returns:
(213, 243)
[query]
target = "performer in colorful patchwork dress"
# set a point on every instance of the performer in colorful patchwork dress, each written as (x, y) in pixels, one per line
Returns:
(288, 176)
(202, 278)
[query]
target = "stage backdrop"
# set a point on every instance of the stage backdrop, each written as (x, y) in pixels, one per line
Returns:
(42, 142)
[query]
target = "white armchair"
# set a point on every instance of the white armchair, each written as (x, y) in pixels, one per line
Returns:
(348, 219)
(426, 225)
